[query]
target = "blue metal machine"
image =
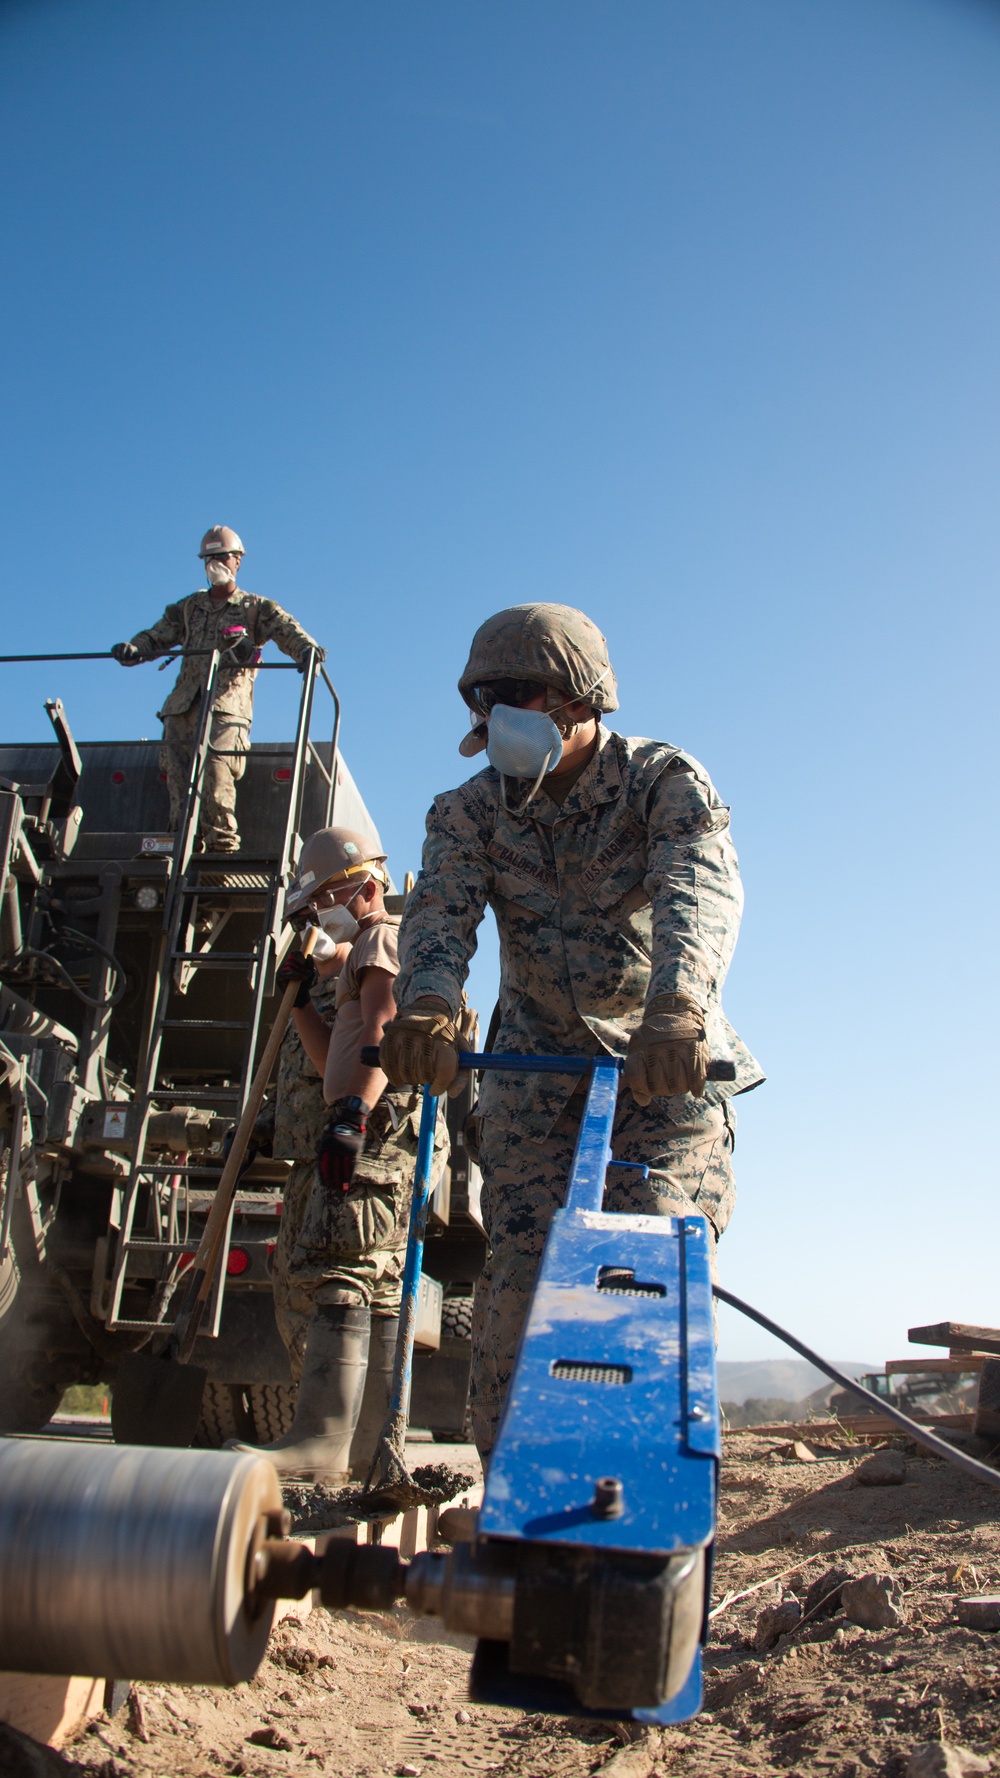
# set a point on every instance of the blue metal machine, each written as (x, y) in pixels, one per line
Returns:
(587, 1584)
(603, 1480)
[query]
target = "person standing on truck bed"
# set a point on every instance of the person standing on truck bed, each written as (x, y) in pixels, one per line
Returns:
(614, 881)
(220, 615)
(343, 1269)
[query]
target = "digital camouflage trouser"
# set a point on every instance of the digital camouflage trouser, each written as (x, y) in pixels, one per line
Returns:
(293, 1305)
(225, 764)
(348, 1247)
(524, 1183)
(359, 1262)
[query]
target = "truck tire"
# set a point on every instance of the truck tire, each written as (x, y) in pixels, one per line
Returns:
(223, 1416)
(33, 1383)
(456, 1324)
(456, 1318)
(10, 1278)
(21, 1255)
(272, 1406)
(28, 1403)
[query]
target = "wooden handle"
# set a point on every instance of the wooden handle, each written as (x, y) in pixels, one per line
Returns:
(206, 1259)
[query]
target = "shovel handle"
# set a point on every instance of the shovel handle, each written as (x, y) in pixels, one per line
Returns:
(389, 1452)
(206, 1260)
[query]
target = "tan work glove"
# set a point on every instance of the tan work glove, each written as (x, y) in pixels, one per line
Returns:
(420, 1048)
(669, 1052)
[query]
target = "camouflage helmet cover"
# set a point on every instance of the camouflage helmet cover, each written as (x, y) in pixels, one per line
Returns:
(330, 858)
(221, 540)
(553, 644)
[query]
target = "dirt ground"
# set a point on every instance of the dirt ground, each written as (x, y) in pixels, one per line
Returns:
(378, 1695)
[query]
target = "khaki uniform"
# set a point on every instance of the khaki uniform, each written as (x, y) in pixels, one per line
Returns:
(197, 623)
(344, 1247)
(628, 889)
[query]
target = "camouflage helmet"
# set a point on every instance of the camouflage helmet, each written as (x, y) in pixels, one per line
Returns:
(330, 858)
(552, 644)
(221, 540)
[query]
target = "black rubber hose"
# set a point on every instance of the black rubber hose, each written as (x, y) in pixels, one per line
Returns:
(50, 962)
(84, 941)
(940, 1447)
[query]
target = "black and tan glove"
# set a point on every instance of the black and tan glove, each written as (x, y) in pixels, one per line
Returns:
(669, 1052)
(420, 1047)
(341, 1143)
(297, 968)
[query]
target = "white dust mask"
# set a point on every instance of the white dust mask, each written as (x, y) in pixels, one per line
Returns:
(339, 924)
(323, 948)
(522, 743)
(218, 574)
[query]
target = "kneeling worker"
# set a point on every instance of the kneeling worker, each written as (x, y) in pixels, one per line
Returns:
(345, 1262)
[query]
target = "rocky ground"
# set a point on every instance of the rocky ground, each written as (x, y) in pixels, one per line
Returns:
(793, 1684)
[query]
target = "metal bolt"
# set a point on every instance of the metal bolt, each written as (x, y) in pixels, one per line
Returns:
(698, 1412)
(609, 1498)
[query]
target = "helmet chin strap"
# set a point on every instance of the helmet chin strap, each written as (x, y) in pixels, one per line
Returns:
(567, 726)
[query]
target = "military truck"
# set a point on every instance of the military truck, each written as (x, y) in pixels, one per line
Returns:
(919, 1395)
(137, 985)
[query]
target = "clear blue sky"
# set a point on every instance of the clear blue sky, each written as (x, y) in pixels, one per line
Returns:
(684, 312)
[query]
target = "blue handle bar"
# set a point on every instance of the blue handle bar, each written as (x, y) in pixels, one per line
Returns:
(721, 1069)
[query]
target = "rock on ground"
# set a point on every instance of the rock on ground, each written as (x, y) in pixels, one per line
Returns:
(823, 1597)
(775, 1621)
(939, 1759)
(873, 1601)
(883, 1469)
(982, 1613)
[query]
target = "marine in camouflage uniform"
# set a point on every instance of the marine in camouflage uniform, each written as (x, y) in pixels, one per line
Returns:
(623, 891)
(353, 1247)
(350, 1245)
(200, 622)
(344, 1229)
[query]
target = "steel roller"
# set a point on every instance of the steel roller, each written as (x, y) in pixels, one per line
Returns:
(126, 1562)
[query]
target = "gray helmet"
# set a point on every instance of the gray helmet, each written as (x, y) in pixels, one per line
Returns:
(221, 540)
(330, 858)
(551, 644)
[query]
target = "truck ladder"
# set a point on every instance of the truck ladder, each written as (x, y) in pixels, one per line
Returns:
(202, 891)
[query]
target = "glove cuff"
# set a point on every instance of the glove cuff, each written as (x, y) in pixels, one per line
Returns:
(350, 1108)
(429, 1018)
(673, 1017)
(674, 1003)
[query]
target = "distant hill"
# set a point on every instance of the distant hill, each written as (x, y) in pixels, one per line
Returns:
(779, 1379)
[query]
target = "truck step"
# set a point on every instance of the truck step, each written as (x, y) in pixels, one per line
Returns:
(185, 1168)
(179, 1093)
(216, 959)
(207, 889)
(205, 1025)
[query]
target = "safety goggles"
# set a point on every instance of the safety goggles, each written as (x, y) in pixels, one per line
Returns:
(515, 692)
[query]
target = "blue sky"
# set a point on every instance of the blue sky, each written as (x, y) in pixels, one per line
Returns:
(681, 312)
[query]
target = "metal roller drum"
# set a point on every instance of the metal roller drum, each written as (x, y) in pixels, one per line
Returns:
(131, 1563)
